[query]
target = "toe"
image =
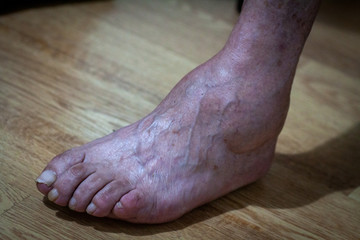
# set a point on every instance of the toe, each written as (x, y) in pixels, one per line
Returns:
(45, 180)
(66, 183)
(56, 167)
(129, 206)
(87, 189)
(105, 200)
(43, 188)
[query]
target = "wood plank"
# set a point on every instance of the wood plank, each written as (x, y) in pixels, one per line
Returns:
(61, 67)
(355, 194)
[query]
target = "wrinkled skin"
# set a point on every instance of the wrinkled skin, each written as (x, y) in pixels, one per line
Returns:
(215, 132)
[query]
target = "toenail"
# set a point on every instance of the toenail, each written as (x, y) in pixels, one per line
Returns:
(72, 203)
(91, 208)
(48, 177)
(119, 205)
(53, 195)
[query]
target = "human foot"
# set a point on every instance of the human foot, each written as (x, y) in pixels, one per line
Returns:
(180, 156)
(215, 132)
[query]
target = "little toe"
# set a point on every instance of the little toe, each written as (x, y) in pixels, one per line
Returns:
(87, 189)
(105, 200)
(66, 184)
(129, 206)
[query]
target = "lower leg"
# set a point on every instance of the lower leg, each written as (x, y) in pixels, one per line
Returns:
(260, 58)
(216, 130)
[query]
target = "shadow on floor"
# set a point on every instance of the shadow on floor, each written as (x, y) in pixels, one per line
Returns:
(329, 168)
(7, 7)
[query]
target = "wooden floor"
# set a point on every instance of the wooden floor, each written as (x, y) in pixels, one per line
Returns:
(71, 73)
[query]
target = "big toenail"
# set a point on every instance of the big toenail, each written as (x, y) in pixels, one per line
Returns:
(53, 195)
(91, 208)
(72, 203)
(48, 177)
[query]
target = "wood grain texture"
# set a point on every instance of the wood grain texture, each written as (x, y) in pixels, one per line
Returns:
(74, 72)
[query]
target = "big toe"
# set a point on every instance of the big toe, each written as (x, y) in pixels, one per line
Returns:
(56, 167)
(45, 180)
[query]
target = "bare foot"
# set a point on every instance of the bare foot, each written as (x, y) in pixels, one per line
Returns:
(180, 156)
(215, 132)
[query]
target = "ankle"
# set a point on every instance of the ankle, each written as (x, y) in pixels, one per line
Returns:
(273, 21)
(270, 35)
